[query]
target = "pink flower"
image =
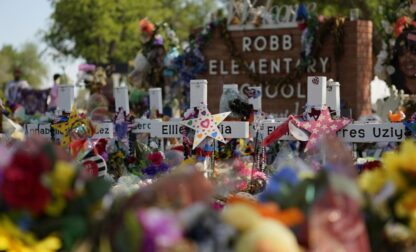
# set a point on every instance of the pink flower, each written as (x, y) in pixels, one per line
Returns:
(400, 25)
(86, 68)
(242, 185)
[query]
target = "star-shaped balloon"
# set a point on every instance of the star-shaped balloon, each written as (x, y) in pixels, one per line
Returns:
(323, 126)
(66, 127)
(206, 125)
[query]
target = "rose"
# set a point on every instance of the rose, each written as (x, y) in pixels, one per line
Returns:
(22, 186)
(22, 189)
(36, 163)
(155, 158)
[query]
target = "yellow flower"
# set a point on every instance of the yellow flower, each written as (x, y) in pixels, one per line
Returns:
(391, 164)
(56, 206)
(188, 162)
(406, 205)
(372, 181)
(120, 154)
(412, 222)
(14, 239)
(407, 157)
(62, 177)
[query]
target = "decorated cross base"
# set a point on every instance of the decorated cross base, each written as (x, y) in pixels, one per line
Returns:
(173, 129)
(102, 130)
(317, 122)
(354, 132)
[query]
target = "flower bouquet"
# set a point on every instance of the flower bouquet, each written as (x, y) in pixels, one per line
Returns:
(46, 203)
(391, 198)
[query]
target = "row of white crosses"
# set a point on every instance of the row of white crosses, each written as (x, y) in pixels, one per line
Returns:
(172, 128)
(66, 95)
(320, 94)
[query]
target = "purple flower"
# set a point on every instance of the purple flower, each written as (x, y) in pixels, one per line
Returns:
(151, 170)
(161, 229)
(163, 168)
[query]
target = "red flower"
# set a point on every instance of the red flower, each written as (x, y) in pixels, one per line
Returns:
(146, 26)
(22, 189)
(100, 146)
(370, 165)
(178, 148)
(198, 151)
(155, 158)
(21, 186)
(131, 160)
(400, 25)
(37, 163)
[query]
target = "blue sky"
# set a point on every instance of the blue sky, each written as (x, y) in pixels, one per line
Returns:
(21, 21)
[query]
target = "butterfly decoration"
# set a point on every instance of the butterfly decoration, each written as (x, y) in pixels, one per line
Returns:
(251, 92)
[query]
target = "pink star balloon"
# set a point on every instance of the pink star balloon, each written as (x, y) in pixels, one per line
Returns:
(323, 126)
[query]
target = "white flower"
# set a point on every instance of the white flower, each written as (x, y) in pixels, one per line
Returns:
(378, 68)
(390, 69)
(382, 55)
(392, 42)
(384, 46)
(388, 28)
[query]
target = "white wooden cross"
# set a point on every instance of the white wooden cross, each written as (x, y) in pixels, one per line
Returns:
(66, 95)
(172, 128)
(357, 132)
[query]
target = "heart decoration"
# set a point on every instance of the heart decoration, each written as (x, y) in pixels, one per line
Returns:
(91, 167)
(94, 164)
(251, 92)
(205, 123)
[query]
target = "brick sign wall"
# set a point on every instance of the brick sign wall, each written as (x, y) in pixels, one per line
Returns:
(275, 52)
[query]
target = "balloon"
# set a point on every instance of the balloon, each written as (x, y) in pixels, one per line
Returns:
(80, 132)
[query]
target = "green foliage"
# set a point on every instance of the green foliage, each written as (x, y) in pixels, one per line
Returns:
(368, 8)
(107, 31)
(27, 59)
